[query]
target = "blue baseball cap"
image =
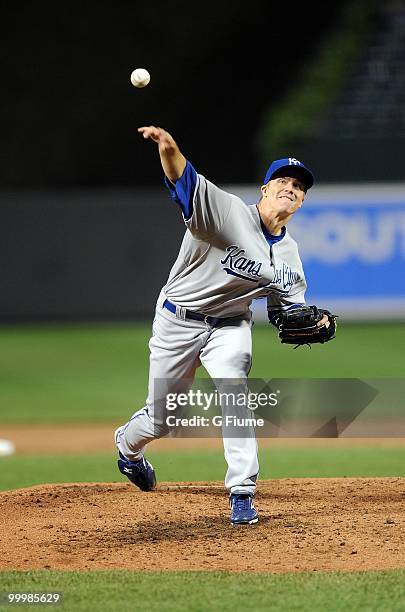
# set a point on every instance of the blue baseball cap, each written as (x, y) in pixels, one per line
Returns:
(289, 166)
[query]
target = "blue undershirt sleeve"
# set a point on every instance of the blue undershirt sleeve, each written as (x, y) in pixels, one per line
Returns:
(182, 191)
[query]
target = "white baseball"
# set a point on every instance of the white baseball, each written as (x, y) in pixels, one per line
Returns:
(140, 77)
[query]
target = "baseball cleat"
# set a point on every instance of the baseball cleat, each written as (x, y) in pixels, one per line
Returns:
(243, 511)
(140, 473)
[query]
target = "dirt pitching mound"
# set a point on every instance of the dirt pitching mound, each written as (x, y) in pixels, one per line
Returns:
(305, 524)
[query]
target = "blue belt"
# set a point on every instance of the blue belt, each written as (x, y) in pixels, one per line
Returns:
(195, 316)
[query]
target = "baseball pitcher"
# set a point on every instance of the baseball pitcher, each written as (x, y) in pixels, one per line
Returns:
(231, 254)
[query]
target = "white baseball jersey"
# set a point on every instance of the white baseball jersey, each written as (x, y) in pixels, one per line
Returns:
(227, 258)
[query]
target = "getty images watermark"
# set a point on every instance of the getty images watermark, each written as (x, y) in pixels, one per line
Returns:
(282, 407)
(238, 403)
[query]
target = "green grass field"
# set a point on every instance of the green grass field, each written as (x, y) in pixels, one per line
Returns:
(98, 373)
(119, 591)
(61, 373)
(23, 471)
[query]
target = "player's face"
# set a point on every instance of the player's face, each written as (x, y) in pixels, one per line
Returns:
(285, 194)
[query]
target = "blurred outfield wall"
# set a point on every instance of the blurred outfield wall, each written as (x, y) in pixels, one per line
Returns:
(104, 254)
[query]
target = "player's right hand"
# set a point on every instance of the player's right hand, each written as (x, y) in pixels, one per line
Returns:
(158, 135)
(173, 161)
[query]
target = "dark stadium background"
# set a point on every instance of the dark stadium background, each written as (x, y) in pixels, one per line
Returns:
(69, 114)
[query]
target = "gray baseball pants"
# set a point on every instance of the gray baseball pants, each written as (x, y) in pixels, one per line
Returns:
(177, 348)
